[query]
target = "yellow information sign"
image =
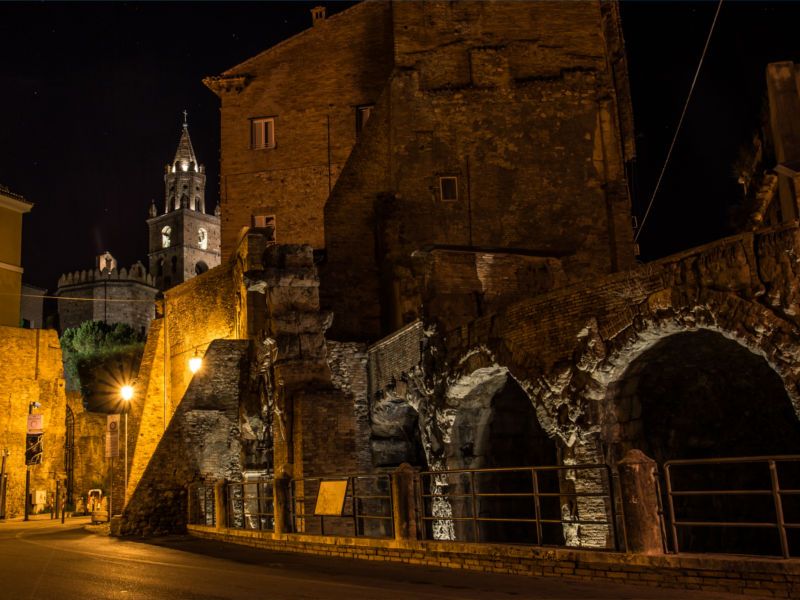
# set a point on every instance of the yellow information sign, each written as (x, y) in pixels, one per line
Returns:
(330, 498)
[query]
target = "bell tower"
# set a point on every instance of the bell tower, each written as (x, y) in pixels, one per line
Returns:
(184, 239)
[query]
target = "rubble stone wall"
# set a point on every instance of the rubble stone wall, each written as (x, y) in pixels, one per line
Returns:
(31, 371)
(201, 443)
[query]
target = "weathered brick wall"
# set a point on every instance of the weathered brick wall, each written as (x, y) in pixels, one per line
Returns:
(201, 443)
(311, 84)
(530, 129)
(31, 371)
(348, 364)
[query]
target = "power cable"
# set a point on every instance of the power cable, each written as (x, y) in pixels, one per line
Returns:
(680, 122)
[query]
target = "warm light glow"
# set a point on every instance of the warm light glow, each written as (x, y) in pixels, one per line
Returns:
(184, 165)
(195, 363)
(126, 392)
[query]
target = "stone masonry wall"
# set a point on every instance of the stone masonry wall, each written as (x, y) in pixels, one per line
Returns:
(129, 296)
(201, 443)
(568, 346)
(31, 371)
(90, 464)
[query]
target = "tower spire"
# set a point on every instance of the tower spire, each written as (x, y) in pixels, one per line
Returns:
(185, 118)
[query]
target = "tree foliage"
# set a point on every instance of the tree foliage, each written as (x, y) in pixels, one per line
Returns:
(98, 357)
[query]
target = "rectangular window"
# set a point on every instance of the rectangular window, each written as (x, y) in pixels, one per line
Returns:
(262, 132)
(362, 116)
(266, 222)
(448, 188)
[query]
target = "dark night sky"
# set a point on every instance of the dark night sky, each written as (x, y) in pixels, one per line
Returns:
(92, 94)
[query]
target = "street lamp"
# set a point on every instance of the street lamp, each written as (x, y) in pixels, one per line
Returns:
(195, 363)
(126, 393)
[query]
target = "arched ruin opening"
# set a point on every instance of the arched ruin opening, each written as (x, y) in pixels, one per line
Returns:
(700, 395)
(496, 426)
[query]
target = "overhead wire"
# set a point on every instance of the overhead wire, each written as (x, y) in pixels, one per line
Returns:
(680, 123)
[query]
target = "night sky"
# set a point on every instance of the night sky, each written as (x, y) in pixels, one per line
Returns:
(92, 96)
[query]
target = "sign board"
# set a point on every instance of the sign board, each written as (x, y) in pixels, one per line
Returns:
(35, 423)
(330, 498)
(33, 449)
(112, 436)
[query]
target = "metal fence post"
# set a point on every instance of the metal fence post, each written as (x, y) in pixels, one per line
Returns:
(281, 505)
(404, 503)
(776, 496)
(220, 514)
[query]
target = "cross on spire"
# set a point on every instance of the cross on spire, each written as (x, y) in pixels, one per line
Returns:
(185, 118)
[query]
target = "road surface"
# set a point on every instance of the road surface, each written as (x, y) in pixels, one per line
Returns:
(42, 559)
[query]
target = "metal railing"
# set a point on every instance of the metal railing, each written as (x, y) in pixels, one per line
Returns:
(202, 504)
(251, 505)
(570, 505)
(367, 510)
(705, 501)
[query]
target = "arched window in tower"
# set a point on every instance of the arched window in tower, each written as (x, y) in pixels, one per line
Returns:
(200, 268)
(166, 236)
(160, 268)
(202, 238)
(174, 265)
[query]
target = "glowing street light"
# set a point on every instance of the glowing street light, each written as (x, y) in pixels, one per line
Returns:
(126, 391)
(195, 363)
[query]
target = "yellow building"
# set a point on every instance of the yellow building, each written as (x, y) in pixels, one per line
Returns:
(12, 207)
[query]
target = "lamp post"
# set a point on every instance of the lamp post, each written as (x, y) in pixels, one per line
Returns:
(31, 406)
(126, 392)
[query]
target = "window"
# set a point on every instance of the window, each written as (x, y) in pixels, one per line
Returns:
(262, 132)
(448, 188)
(362, 116)
(200, 268)
(202, 238)
(166, 233)
(266, 222)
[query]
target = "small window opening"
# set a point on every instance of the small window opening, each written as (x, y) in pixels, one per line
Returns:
(166, 235)
(363, 114)
(448, 188)
(202, 238)
(262, 132)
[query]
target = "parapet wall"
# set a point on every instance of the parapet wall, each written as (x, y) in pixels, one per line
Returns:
(751, 576)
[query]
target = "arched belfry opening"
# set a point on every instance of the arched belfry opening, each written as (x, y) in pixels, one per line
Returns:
(700, 395)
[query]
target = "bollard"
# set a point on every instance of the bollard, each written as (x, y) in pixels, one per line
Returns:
(637, 479)
(404, 502)
(220, 502)
(280, 503)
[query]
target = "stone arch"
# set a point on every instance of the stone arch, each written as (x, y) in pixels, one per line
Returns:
(200, 267)
(699, 394)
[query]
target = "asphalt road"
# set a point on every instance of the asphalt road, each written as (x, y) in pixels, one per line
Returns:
(44, 559)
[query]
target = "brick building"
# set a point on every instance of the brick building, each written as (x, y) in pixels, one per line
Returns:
(438, 126)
